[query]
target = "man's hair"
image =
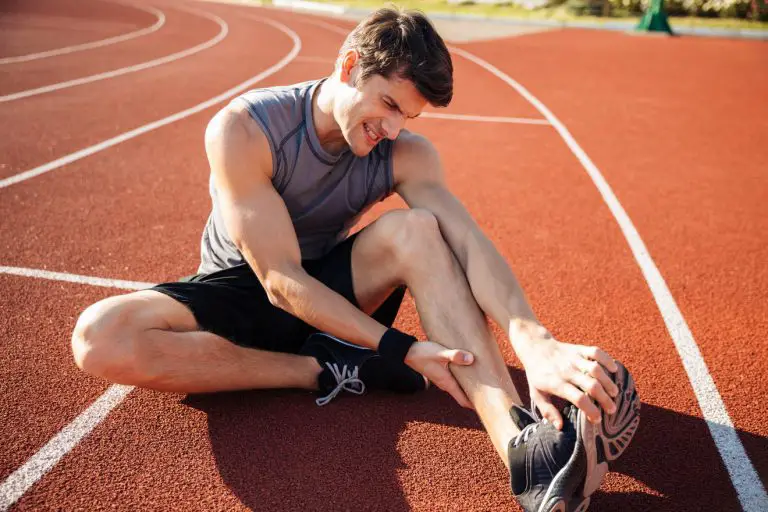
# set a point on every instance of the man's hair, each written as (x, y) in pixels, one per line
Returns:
(403, 43)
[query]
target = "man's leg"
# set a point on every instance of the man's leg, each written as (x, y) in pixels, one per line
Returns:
(406, 247)
(550, 469)
(220, 332)
(150, 340)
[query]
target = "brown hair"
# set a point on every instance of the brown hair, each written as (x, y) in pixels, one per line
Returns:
(394, 41)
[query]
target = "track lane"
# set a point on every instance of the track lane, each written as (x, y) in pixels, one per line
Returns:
(51, 126)
(14, 491)
(41, 390)
(703, 158)
(43, 25)
(183, 30)
(524, 239)
(559, 256)
(196, 234)
(67, 50)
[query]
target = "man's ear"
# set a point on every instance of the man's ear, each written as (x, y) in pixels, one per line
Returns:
(349, 62)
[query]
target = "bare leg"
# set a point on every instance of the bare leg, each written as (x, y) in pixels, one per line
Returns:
(448, 311)
(149, 340)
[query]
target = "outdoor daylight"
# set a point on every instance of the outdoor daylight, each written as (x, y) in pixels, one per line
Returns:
(420, 255)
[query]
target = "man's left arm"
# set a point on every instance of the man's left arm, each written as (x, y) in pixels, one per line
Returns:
(556, 371)
(420, 182)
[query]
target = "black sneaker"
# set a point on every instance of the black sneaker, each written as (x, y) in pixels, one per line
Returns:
(558, 470)
(347, 367)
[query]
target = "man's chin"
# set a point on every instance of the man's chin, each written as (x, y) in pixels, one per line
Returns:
(361, 150)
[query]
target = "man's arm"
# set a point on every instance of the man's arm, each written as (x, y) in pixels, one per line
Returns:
(260, 226)
(573, 372)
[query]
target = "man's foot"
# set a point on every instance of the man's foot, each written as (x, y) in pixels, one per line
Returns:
(558, 470)
(347, 367)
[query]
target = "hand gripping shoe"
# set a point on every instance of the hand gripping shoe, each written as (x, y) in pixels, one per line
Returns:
(347, 367)
(558, 470)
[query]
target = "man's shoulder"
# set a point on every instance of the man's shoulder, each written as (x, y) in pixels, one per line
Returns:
(414, 157)
(233, 124)
(233, 132)
(412, 144)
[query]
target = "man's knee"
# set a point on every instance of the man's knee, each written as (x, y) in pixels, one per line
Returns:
(418, 236)
(412, 233)
(104, 340)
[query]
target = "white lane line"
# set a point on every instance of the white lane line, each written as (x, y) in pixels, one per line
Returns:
(75, 278)
(21, 480)
(94, 44)
(77, 155)
(751, 493)
(483, 119)
(67, 438)
(223, 30)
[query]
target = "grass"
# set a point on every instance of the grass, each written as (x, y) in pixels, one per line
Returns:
(559, 13)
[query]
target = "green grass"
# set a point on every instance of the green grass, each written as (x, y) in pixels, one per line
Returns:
(560, 13)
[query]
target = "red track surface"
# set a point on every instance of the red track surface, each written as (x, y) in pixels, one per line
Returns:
(676, 126)
(31, 26)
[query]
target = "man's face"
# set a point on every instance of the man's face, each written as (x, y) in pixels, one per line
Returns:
(376, 109)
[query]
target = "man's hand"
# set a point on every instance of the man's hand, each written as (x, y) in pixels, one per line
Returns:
(576, 373)
(431, 360)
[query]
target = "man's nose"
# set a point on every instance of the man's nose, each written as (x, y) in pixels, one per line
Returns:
(392, 126)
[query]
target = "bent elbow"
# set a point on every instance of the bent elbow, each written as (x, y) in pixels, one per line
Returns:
(274, 294)
(282, 288)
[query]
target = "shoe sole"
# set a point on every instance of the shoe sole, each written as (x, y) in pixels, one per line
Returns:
(596, 445)
(607, 440)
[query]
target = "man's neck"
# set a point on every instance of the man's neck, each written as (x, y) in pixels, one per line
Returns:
(326, 127)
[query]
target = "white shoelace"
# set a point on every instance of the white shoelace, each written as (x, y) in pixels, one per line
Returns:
(346, 380)
(524, 434)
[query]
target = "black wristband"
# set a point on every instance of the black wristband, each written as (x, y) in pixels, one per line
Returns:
(394, 345)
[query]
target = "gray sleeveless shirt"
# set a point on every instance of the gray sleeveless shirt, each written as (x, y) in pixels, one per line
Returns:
(325, 194)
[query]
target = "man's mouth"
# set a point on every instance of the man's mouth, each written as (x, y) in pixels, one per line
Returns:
(373, 137)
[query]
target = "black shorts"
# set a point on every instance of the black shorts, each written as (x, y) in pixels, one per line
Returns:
(233, 304)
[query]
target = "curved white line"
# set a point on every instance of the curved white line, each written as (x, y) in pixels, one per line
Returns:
(72, 157)
(224, 30)
(749, 489)
(21, 480)
(94, 44)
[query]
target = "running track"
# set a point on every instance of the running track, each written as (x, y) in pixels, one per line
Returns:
(676, 127)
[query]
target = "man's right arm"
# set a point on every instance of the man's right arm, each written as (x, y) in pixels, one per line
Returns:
(260, 226)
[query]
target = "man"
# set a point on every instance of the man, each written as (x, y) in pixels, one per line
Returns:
(281, 285)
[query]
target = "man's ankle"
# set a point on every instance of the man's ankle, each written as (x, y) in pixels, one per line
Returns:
(315, 371)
